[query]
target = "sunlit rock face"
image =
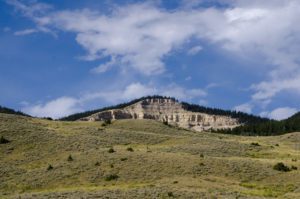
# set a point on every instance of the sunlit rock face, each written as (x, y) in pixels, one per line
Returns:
(166, 110)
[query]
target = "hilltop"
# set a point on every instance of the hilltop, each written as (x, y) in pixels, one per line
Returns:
(11, 111)
(141, 159)
(172, 112)
(191, 116)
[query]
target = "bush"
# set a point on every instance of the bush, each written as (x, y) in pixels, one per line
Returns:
(106, 123)
(111, 177)
(255, 144)
(70, 158)
(111, 150)
(130, 149)
(281, 167)
(170, 194)
(3, 140)
(201, 155)
(123, 159)
(97, 164)
(294, 168)
(50, 167)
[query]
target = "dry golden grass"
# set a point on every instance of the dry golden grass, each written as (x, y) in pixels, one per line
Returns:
(166, 162)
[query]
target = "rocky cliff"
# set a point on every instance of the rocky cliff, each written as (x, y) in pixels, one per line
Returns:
(166, 110)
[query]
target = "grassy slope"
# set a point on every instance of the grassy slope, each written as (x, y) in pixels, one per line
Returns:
(166, 161)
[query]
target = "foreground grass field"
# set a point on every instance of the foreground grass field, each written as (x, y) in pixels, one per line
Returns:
(141, 159)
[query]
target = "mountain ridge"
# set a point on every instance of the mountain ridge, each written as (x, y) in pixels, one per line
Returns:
(169, 110)
(188, 106)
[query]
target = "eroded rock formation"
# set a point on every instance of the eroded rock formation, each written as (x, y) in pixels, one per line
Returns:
(166, 110)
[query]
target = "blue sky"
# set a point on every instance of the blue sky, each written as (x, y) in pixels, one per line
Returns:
(61, 57)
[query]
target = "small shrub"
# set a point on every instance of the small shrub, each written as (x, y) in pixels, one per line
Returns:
(175, 182)
(3, 140)
(148, 150)
(97, 164)
(281, 167)
(123, 159)
(166, 123)
(276, 144)
(111, 177)
(294, 167)
(50, 167)
(255, 144)
(201, 164)
(111, 150)
(130, 149)
(106, 122)
(111, 166)
(294, 160)
(170, 194)
(48, 118)
(70, 158)
(201, 155)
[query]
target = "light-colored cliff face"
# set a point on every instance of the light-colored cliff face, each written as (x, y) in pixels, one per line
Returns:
(166, 110)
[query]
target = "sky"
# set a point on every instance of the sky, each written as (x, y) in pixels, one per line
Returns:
(63, 57)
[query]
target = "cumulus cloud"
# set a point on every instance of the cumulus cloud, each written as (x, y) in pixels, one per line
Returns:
(25, 32)
(195, 50)
(280, 113)
(63, 106)
(102, 68)
(247, 108)
(55, 108)
(143, 35)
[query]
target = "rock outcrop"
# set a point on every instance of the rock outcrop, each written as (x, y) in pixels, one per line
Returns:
(166, 110)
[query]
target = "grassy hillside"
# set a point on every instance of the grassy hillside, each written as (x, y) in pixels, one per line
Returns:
(141, 159)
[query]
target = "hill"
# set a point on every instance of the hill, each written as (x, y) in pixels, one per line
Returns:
(242, 117)
(11, 111)
(171, 111)
(271, 127)
(141, 159)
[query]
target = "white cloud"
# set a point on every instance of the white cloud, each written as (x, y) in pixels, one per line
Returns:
(194, 50)
(25, 32)
(142, 35)
(102, 68)
(136, 90)
(188, 78)
(203, 102)
(181, 93)
(6, 29)
(68, 105)
(247, 108)
(55, 108)
(280, 113)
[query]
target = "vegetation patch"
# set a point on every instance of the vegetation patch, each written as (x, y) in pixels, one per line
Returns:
(4, 140)
(111, 177)
(50, 167)
(70, 158)
(111, 150)
(130, 149)
(255, 144)
(273, 190)
(281, 167)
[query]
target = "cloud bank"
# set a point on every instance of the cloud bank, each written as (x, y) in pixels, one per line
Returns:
(140, 36)
(63, 106)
